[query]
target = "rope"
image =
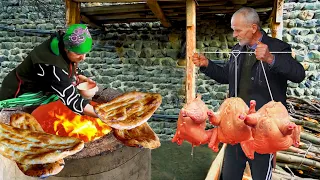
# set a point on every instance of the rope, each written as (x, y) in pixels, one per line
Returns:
(265, 75)
(236, 53)
(305, 154)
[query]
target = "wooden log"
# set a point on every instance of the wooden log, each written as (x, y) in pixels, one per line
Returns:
(313, 148)
(299, 167)
(191, 49)
(308, 115)
(281, 157)
(302, 151)
(310, 137)
(304, 101)
(303, 106)
(303, 155)
(312, 125)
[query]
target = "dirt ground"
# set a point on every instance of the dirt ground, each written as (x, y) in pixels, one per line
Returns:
(173, 162)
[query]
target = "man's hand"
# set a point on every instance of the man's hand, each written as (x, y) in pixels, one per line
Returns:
(200, 60)
(263, 54)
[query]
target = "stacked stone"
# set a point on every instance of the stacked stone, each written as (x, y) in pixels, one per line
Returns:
(302, 32)
(15, 44)
(139, 57)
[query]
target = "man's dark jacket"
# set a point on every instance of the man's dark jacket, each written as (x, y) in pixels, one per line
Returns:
(285, 68)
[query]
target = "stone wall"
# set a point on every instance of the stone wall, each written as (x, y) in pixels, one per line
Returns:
(147, 57)
(302, 32)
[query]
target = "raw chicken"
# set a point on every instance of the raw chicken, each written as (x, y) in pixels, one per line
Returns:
(192, 123)
(231, 129)
(271, 130)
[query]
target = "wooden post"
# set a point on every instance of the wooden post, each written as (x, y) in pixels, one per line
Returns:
(72, 12)
(191, 46)
(277, 19)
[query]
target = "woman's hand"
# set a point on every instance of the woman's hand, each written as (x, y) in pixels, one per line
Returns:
(83, 78)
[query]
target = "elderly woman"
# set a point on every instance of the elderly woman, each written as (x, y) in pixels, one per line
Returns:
(51, 67)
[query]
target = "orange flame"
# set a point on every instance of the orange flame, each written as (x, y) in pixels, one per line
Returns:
(83, 127)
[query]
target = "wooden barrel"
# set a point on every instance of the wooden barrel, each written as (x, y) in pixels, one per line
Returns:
(123, 163)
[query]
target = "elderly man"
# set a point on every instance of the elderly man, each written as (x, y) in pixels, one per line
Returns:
(252, 85)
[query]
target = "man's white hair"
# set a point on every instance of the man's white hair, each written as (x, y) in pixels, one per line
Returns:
(251, 16)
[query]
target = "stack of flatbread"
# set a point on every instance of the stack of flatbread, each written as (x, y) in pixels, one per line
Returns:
(128, 115)
(36, 153)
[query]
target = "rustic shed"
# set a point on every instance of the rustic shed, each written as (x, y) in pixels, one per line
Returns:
(172, 13)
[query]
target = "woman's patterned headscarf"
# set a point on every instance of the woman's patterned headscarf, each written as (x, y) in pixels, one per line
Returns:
(76, 39)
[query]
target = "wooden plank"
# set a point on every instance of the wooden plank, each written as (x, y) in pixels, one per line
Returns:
(277, 19)
(122, 16)
(157, 11)
(128, 20)
(242, 2)
(124, 1)
(72, 12)
(86, 20)
(191, 49)
(115, 9)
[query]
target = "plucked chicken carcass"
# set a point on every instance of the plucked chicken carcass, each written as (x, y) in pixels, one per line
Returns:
(271, 130)
(192, 123)
(231, 129)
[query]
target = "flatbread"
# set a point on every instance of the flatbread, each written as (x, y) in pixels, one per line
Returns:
(31, 147)
(128, 110)
(141, 136)
(42, 170)
(27, 121)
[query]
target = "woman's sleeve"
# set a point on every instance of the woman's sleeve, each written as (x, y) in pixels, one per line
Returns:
(59, 82)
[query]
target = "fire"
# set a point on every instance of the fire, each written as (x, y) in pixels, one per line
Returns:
(83, 127)
(56, 118)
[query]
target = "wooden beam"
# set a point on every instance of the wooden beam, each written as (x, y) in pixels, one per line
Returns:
(115, 9)
(157, 11)
(108, 1)
(127, 20)
(72, 12)
(277, 19)
(122, 16)
(124, 1)
(86, 20)
(191, 49)
(239, 2)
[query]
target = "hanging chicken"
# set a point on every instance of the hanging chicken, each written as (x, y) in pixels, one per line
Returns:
(231, 129)
(271, 130)
(192, 123)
